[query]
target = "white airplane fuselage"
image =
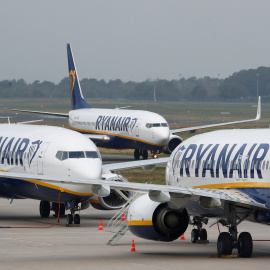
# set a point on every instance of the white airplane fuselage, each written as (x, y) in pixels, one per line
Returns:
(44, 150)
(125, 129)
(227, 159)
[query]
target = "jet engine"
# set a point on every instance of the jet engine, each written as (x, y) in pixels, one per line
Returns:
(114, 200)
(174, 141)
(156, 221)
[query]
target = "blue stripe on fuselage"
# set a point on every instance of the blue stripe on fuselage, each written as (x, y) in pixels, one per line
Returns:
(14, 188)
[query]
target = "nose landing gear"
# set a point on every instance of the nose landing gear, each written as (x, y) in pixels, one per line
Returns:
(73, 218)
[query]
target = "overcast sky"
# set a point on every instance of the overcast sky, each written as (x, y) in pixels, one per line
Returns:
(133, 40)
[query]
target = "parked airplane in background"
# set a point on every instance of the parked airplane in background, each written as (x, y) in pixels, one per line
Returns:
(221, 174)
(121, 128)
(58, 152)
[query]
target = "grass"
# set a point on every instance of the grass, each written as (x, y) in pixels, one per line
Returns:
(138, 175)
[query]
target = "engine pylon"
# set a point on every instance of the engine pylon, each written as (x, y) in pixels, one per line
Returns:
(100, 226)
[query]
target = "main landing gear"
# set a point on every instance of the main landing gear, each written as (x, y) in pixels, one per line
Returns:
(227, 241)
(45, 207)
(199, 233)
(138, 153)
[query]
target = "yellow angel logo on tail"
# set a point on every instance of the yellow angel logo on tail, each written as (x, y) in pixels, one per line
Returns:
(72, 79)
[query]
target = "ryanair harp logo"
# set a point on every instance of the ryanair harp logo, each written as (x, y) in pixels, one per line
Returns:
(72, 79)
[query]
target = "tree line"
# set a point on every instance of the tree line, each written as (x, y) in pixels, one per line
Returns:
(240, 85)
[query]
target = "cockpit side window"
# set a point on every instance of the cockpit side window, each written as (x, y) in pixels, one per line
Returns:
(76, 154)
(59, 155)
(65, 155)
(91, 154)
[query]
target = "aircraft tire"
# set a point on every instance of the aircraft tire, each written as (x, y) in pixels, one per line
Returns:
(136, 154)
(245, 245)
(145, 154)
(44, 209)
(69, 220)
(224, 244)
(194, 235)
(203, 234)
(77, 219)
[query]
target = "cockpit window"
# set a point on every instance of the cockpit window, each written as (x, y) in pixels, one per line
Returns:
(62, 155)
(77, 154)
(150, 125)
(91, 154)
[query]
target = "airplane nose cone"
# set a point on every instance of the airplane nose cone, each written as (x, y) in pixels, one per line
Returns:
(162, 135)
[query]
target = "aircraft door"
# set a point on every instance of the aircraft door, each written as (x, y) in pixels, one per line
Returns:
(41, 153)
(137, 128)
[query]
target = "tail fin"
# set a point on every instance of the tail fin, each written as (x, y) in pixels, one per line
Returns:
(77, 99)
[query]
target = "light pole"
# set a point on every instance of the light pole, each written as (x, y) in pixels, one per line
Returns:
(257, 85)
(180, 75)
(218, 81)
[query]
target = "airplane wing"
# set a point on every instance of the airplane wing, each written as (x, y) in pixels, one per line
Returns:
(97, 137)
(107, 168)
(258, 117)
(159, 193)
(39, 112)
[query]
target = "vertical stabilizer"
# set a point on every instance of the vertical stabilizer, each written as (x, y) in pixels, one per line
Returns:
(77, 99)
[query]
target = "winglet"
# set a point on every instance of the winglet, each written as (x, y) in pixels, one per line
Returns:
(77, 99)
(258, 117)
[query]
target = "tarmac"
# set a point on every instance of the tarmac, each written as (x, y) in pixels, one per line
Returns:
(84, 247)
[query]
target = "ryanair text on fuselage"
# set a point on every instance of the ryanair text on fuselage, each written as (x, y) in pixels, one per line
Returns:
(218, 159)
(12, 150)
(115, 123)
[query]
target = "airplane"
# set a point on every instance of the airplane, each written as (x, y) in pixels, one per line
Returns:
(220, 174)
(54, 151)
(120, 128)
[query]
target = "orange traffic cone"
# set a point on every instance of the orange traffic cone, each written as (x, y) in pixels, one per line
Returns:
(100, 226)
(183, 237)
(123, 217)
(132, 247)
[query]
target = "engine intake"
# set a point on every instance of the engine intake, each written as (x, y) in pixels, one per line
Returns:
(174, 141)
(156, 221)
(114, 200)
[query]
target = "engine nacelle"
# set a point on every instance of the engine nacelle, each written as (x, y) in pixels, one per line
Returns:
(113, 201)
(174, 141)
(156, 221)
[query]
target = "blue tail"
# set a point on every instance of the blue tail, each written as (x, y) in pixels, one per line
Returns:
(77, 100)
